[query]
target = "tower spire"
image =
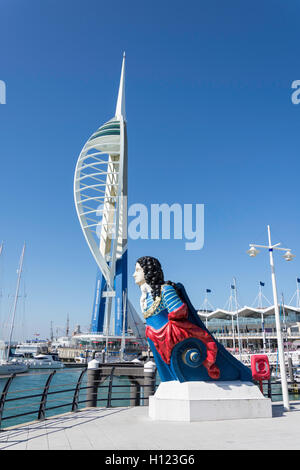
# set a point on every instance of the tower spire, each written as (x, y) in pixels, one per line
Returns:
(120, 109)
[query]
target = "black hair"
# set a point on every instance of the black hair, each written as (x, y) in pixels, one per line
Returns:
(154, 275)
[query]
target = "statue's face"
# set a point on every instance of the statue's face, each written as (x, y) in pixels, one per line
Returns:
(139, 275)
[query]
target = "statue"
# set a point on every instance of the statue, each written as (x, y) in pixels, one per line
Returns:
(183, 348)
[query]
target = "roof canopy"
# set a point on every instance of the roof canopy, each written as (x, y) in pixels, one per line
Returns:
(245, 312)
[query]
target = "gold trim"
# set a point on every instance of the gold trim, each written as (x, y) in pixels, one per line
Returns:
(148, 313)
(151, 310)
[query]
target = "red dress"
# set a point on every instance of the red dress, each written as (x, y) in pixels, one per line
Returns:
(177, 329)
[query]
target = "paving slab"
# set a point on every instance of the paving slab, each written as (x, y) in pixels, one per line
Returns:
(131, 429)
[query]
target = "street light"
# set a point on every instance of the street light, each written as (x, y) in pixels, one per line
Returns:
(288, 257)
(252, 252)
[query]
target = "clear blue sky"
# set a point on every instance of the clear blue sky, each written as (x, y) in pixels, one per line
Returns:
(210, 120)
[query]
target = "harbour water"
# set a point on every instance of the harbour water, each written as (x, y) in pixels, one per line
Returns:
(65, 381)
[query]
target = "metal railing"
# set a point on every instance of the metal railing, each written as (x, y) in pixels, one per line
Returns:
(138, 398)
(267, 388)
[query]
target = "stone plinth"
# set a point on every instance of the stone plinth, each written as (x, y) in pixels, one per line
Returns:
(208, 401)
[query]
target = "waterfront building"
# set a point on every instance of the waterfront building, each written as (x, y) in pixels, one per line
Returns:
(253, 327)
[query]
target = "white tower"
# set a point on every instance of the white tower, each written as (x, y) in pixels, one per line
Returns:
(100, 193)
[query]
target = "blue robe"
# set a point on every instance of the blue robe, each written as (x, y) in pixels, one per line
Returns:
(189, 356)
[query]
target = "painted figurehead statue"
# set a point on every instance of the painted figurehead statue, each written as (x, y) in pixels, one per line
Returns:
(182, 347)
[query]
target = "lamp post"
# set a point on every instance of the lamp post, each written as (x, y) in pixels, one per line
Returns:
(288, 257)
(260, 305)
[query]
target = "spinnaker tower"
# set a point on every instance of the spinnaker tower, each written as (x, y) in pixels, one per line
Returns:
(100, 193)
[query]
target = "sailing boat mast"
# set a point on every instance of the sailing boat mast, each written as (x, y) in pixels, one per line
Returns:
(68, 326)
(16, 299)
(51, 331)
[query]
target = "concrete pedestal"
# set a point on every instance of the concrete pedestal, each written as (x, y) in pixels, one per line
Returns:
(208, 401)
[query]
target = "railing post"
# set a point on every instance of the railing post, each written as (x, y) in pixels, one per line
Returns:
(108, 404)
(269, 389)
(41, 414)
(93, 372)
(135, 392)
(149, 379)
(4, 394)
(77, 390)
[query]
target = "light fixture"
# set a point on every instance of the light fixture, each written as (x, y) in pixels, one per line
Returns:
(253, 251)
(288, 256)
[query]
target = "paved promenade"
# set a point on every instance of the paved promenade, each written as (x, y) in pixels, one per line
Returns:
(131, 429)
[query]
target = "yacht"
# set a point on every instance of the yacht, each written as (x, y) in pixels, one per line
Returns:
(29, 349)
(11, 367)
(44, 361)
(7, 366)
